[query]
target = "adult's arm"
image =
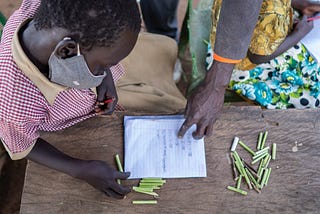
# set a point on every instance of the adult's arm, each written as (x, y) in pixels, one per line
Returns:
(302, 28)
(306, 7)
(234, 30)
(96, 173)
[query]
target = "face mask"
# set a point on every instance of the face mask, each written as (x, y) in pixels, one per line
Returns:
(72, 72)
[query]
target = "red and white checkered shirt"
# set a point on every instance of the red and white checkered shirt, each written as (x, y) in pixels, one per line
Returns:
(24, 110)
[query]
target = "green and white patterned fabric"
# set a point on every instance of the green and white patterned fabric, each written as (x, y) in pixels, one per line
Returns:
(292, 80)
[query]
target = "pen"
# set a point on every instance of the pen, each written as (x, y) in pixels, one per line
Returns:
(313, 18)
(102, 105)
(110, 100)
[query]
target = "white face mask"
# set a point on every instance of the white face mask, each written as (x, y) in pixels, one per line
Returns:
(72, 72)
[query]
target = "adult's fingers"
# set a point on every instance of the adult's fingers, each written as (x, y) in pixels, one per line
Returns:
(200, 132)
(188, 109)
(209, 130)
(184, 128)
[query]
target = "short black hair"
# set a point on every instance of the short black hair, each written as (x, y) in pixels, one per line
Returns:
(91, 22)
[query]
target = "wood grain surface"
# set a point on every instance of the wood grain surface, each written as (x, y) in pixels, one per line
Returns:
(294, 185)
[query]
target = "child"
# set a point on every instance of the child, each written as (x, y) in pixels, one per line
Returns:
(51, 53)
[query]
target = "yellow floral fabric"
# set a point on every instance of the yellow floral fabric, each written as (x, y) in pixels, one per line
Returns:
(274, 24)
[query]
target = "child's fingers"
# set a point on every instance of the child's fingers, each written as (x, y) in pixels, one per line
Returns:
(109, 192)
(122, 190)
(110, 107)
(122, 175)
(106, 107)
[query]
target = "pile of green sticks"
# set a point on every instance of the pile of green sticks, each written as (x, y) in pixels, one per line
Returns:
(255, 179)
(146, 185)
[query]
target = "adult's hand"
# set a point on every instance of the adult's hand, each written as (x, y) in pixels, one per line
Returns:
(107, 97)
(205, 104)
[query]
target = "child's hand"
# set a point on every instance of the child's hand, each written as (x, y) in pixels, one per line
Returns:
(103, 177)
(107, 97)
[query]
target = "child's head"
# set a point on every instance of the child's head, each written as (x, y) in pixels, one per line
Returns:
(102, 31)
(89, 22)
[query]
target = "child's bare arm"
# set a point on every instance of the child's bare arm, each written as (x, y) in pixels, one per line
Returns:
(302, 28)
(96, 173)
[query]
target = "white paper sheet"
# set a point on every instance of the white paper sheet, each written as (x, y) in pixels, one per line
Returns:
(152, 148)
(312, 40)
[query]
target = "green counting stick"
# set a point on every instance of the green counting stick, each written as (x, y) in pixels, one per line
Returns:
(268, 175)
(146, 192)
(237, 158)
(239, 168)
(264, 178)
(266, 161)
(119, 163)
(234, 170)
(150, 185)
(260, 171)
(246, 178)
(259, 140)
(120, 168)
(153, 180)
(144, 202)
(259, 158)
(264, 140)
(239, 182)
(262, 151)
(238, 164)
(254, 181)
(144, 189)
(237, 190)
(260, 155)
(246, 148)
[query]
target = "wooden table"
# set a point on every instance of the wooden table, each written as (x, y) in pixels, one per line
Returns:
(294, 185)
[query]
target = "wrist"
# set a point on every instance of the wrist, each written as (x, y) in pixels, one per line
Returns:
(218, 77)
(79, 166)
